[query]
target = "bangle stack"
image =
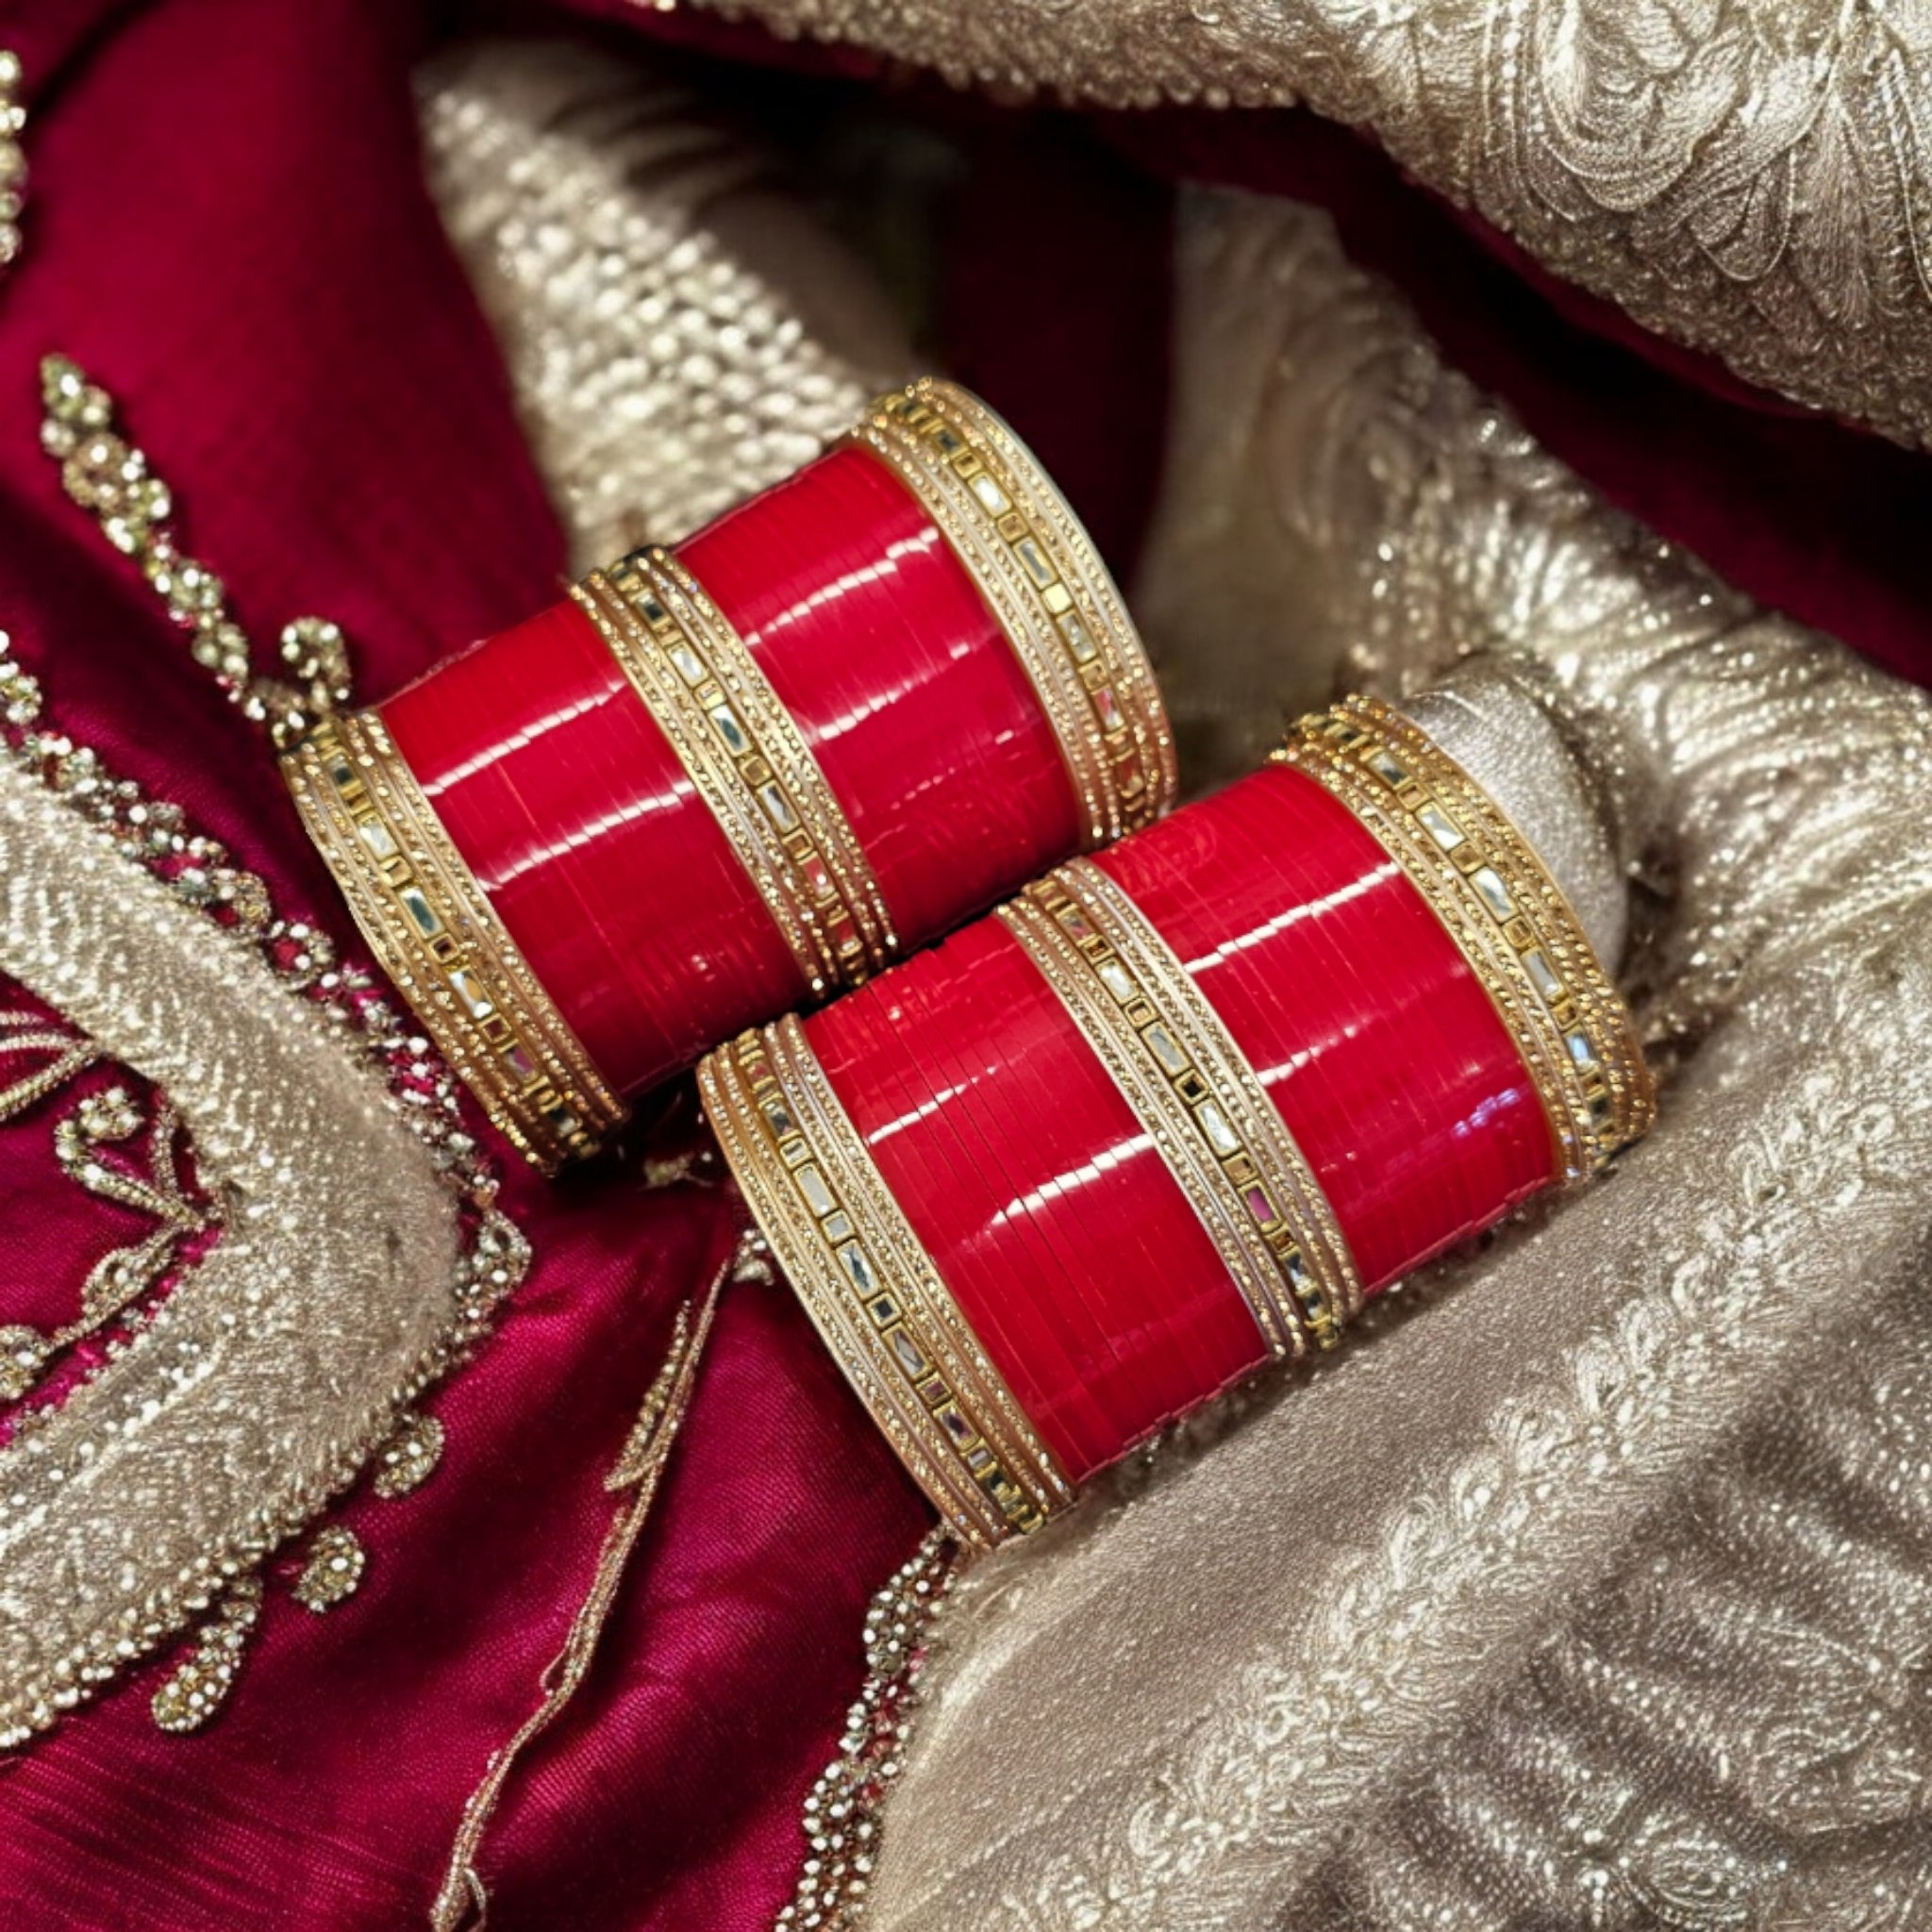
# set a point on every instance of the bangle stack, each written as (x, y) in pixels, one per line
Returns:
(723, 780)
(1175, 1110)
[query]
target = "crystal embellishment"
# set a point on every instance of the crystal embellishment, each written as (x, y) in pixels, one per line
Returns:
(813, 1185)
(1160, 1042)
(1440, 826)
(991, 494)
(1494, 893)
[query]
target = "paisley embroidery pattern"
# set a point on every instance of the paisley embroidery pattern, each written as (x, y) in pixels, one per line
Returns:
(332, 1571)
(1752, 179)
(199, 1685)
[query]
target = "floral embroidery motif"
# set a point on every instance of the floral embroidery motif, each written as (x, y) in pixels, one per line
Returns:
(61, 1053)
(122, 1152)
(105, 474)
(135, 1152)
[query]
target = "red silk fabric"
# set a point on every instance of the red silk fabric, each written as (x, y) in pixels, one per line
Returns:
(603, 858)
(1048, 1210)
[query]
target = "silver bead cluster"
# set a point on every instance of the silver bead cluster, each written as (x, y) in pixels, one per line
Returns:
(841, 1814)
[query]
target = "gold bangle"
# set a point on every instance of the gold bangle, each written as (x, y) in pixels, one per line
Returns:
(433, 932)
(1044, 582)
(744, 755)
(1505, 913)
(872, 1289)
(1194, 1091)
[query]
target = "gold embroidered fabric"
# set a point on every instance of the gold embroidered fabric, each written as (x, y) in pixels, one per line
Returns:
(678, 333)
(197, 1447)
(1751, 176)
(1620, 1619)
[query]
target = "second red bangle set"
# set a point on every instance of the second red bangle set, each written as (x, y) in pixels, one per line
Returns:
(1175, 1108)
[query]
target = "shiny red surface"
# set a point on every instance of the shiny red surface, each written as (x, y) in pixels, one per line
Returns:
(593, 846)
(901, 682)
(1052, 1218)
(603, 859)
(1376, 1044)
(1048, 1213)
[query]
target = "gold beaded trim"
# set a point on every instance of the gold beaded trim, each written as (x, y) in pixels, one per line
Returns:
(873, 1293)
(12, 156)
(745, 754)
(1204, 1106)
(423, 912)
(1044, 582)
(1506, 915)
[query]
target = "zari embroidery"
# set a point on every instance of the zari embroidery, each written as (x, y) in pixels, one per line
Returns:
(61, 1055)
(122, 1151)
(409, 1459)
(12, 156)
(333, 1570)
(105, 474)
(463, 1900)
(199, 1685)
(219, 1493)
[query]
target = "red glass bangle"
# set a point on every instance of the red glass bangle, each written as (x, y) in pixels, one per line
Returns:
(723, 780)
(1365, 1024)
(1176, 1111)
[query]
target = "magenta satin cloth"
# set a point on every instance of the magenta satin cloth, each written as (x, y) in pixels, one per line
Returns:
(228, 230)
(227, 227)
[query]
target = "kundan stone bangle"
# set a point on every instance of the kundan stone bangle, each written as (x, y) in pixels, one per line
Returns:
(727, 778)
(1177, 1109)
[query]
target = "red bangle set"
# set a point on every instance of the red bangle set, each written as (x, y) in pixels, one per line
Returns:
(1169, 1112)
(1177, 1110)
(722, 781)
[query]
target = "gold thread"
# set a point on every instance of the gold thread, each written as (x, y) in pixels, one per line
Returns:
(375, 1248)
(1189, 1084)
(1507, 916)
(873, 1291)
(436, 935)
(462, 1898)
(743, 753)
(197, 1688)
(332, 1571)
(1042, 579)
(144, 1175)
